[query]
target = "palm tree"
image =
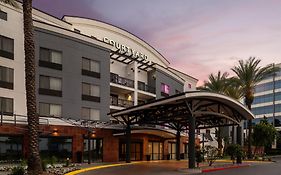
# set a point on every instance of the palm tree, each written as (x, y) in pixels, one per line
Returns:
(10, 2)
(34, 161)
(217, 83)
(233, 89)
(249, 74)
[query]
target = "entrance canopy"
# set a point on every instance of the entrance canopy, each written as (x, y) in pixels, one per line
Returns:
(209, 110)
(185, 111)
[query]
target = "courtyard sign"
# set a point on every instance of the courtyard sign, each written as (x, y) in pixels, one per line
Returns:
(125, 49)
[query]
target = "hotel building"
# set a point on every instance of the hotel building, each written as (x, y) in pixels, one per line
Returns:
(267, 101)
(84, 69)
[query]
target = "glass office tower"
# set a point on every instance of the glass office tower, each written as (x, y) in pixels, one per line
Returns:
(267, 102)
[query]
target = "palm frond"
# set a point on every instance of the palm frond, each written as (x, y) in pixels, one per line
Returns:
(250, 73)
(11, 3)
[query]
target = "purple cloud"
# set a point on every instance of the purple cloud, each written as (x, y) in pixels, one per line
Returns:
(198, 37)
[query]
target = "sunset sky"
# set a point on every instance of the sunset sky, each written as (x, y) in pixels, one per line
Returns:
(198, 37)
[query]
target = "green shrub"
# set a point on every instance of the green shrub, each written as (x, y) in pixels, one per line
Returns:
(211, 153)
(53, 160)
(18, 171)
(44, 163)
(234, 151)
(199, 156)
(23, 162)
(67, 162)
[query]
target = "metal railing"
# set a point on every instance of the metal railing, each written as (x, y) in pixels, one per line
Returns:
(114, 78)
(144, 87)
(121, 102)
(18, 119)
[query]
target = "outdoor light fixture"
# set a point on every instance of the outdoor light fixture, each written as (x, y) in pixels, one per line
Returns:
(55, 132)
(93, 135)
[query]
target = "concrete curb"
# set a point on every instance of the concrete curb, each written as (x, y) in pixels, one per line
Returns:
(224, 168)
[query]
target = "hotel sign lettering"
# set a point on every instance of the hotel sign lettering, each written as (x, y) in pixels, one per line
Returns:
(125, 49)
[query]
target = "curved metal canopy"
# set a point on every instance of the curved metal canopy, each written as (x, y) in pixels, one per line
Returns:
(209, 109)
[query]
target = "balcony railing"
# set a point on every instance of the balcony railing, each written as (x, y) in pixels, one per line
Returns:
(144, 87)
(114, 78)
(121, 102)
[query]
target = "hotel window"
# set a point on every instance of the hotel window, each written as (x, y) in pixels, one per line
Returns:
(90, 114)
(177, 91)
(6, 77)
(90, 68)
(50, 58)
(90, 92)
(46, 109)
(11, 148)
(7, 105)
(6, 47)
(3, 15)
(165, 89)
(59, 147)
(50, 86)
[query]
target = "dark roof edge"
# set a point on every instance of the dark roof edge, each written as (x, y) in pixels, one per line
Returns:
(71, 32)
(183, 73)
(120, 29)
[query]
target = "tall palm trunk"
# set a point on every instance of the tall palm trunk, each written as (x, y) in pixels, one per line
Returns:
(34, 162)
(249, 135)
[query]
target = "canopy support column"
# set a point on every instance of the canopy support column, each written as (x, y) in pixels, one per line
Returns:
(191, 142)
(89, 148)
(128, 143)
(178, 137)
(239, 142)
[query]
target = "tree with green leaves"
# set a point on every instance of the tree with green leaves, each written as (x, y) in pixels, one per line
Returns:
(34, 161)
(248, 74)
(264, 134)
(216, 83)
(211, 154)
(234, 151)
(220, 83)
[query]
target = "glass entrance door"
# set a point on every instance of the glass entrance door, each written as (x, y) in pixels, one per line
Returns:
(172, 150)
(136, 151)
(155, 150)
(96, 148)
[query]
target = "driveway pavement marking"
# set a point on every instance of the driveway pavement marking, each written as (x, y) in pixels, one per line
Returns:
(99, 167)
(123, 164)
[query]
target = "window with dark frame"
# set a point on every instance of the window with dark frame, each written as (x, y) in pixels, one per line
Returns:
(47, 109)
(3, 15)
(6, 47)
(7, 105)
(11, 147)
(90, 92)
(90, 114)
(90, 68)
(50, 86)
(165, 90)
(55, 146)
(6, 77)
(50, 58)
(177, 91)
